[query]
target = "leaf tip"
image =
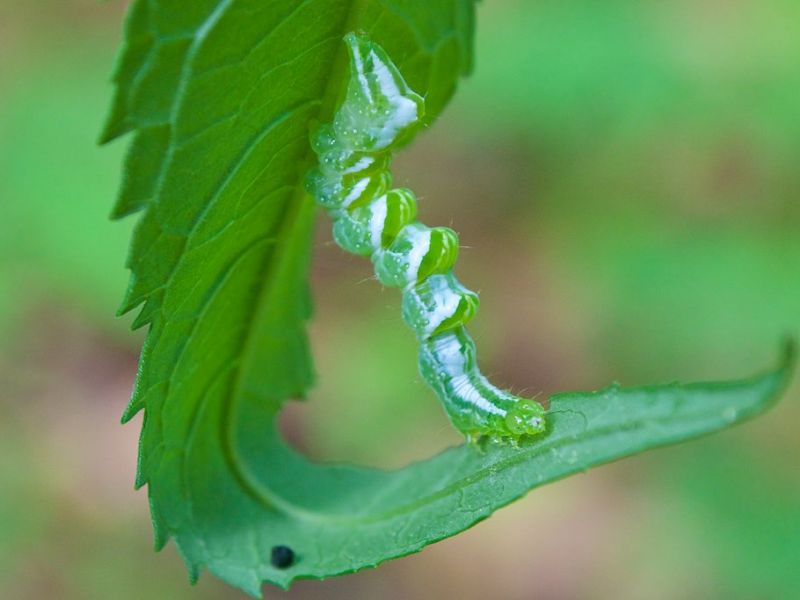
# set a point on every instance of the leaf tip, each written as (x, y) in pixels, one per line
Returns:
(116, 124)
(160, 532)
(194, 572)
(131, 410)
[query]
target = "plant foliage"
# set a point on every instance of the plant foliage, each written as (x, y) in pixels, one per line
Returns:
(220, 96)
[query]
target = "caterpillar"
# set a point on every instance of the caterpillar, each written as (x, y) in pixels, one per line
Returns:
(352, 182)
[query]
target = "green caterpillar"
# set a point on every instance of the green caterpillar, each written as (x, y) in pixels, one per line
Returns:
(352, 182)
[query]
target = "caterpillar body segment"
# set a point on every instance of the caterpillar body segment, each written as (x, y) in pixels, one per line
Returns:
(352, 182)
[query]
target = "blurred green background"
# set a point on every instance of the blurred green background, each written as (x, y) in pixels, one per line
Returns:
(624, 176)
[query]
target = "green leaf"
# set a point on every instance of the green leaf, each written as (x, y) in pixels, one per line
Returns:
(221, 95)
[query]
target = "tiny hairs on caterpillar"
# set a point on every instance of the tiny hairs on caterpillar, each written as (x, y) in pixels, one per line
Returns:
(352, 182)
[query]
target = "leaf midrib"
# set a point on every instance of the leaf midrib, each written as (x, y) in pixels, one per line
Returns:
(247, 481)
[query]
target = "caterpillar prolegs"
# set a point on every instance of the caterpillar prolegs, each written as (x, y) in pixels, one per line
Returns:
(352, 182)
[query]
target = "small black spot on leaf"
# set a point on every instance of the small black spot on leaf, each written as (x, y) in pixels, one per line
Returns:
(282, 557)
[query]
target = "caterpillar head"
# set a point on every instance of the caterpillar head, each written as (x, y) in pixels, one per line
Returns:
(526, 417)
